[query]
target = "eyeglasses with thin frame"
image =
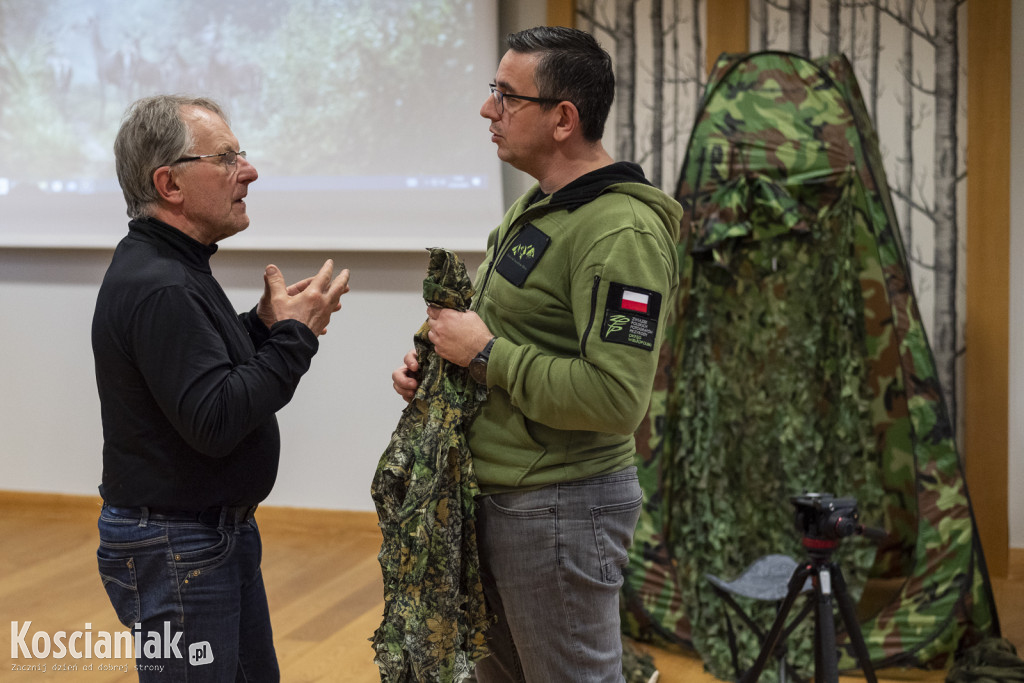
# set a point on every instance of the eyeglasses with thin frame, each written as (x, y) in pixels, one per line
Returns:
(229, 158)
(499, 98)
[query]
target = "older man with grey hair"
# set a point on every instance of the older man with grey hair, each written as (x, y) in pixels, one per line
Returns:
(188, 392)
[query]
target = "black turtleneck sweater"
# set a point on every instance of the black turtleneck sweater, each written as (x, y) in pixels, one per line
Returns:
(188, 387)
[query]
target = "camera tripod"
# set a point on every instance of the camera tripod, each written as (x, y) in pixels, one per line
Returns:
(827, 582)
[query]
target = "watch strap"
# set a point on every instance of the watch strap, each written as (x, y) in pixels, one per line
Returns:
(485, 354)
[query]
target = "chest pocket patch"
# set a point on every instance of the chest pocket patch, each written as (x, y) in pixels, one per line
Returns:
(523, 254)
(631, 316)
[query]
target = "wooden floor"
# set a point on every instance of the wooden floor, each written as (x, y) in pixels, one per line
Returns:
(323, 582)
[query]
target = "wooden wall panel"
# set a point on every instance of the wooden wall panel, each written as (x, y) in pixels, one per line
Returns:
(987, 362)
(728, 29)
(561, 13)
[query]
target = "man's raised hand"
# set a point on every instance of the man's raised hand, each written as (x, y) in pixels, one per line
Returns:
(311, 301)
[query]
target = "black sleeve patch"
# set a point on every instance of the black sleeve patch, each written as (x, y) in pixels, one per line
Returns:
(523, 254)
(631, 316)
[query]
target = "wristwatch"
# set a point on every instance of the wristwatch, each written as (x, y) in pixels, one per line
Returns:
(478, 366)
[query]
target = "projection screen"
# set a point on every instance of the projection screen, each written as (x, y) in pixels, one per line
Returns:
(361, 116)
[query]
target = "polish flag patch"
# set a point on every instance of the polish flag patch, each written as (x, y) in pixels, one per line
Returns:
(635, 301)
(631, 316)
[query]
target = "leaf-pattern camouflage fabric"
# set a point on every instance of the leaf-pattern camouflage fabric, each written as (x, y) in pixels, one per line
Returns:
(993, 660)
(424, 489)
(798, 361)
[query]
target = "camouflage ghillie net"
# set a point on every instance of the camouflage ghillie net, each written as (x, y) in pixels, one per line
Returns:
(434, 610)
(798, 362)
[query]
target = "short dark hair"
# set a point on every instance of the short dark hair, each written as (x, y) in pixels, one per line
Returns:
(573, 67)
(153, 133)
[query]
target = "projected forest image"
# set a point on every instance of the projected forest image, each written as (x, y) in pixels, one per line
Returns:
(312, 87)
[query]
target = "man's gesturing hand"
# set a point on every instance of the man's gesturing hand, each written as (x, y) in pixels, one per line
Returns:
(310, 301)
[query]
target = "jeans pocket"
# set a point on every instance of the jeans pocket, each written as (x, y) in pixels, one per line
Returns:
(613, 531)
(197, 550)
(118, 576)
(539, 503)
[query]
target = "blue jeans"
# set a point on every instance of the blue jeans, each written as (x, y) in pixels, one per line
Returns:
(189, 587)
(551, 562)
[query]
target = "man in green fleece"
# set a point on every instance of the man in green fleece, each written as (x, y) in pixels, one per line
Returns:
(564, 331)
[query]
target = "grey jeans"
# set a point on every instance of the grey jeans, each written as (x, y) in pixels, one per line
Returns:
(551, 563)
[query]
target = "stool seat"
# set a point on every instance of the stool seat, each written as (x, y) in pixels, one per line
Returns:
(766, 579)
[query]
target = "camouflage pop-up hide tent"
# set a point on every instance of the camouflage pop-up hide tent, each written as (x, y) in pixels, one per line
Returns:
(797, 363)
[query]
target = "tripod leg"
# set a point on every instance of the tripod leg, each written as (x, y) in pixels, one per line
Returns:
(826, 665)
(849, 615)
(796, 583)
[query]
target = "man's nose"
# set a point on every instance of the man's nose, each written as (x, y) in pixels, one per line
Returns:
(246, 171)
(489, 109)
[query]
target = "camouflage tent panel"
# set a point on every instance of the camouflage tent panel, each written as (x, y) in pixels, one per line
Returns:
(946, 601)
(651, 604)
(781, 144)
(786, 119)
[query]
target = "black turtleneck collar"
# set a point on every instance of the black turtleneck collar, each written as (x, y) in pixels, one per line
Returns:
(194, 252)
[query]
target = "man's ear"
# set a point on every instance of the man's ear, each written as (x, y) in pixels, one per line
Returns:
(166, 186)
(568, 120)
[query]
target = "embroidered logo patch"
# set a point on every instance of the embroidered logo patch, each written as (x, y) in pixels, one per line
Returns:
(631, 316)
(523, 254)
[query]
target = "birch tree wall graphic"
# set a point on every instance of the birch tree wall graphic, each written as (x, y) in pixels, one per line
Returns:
(658, 50)
(947, 63)
(658, 91)
(621, 27)
(943, 212)
(905, 188)
(625, 59)
(834, 33)
(874, 55)
(799, 12)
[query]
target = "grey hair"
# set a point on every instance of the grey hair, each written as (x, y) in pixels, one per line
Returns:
(153, 133)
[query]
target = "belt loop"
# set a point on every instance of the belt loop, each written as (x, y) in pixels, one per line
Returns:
(144, 517)
(223, 518)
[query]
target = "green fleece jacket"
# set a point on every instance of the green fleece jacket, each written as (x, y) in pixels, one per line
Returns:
(576, 287)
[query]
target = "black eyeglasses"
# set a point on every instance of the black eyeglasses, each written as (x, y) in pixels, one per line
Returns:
(229, 159)
(499, 98)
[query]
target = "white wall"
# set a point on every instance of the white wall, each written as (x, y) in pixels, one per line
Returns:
(341, 417)
(1016, 388)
